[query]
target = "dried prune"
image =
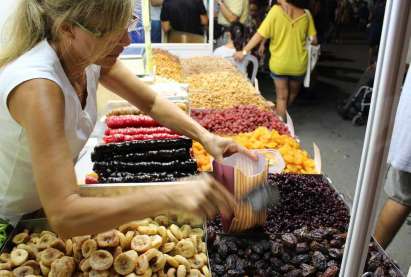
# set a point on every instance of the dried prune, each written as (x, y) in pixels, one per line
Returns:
(267, 256)
(317, 246)
(222, 250)
(254, 257)
(257, 248)
(332, 263)
(230, 262)
(294, 273)
(335, 253)
(260, 264)
(219, 269)
(287, 268)
(307, 270)
(299, 259)
(374, 261)
(331, 271)
(317, 234)
(276, 262)
(235, 273)
(301, 248)
(285, 257)
(289, 240)
(319, 260)
(276, 248)
(336, 243)
(232, 247)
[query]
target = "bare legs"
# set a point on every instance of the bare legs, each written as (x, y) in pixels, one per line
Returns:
(287, 91)
(390, 220)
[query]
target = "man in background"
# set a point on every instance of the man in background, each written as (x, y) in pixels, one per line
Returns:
(186, 16)
(231, 11)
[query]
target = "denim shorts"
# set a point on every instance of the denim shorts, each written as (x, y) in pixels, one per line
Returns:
(398, 186)
(275, 76)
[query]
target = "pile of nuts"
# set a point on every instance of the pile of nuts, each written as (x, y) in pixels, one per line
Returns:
(206, 64)
(149, 247)
(167, 65)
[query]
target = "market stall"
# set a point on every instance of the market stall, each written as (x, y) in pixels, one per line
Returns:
(303, 235)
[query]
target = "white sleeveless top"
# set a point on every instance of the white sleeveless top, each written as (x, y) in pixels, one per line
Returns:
(18, 194)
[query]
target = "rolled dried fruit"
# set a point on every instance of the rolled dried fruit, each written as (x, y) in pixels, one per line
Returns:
(124, 121)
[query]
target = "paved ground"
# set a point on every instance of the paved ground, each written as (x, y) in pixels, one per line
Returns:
(316, 120)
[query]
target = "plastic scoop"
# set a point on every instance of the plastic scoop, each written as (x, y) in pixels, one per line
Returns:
(263, 197)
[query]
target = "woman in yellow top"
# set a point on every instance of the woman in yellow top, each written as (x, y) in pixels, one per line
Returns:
(287, 26)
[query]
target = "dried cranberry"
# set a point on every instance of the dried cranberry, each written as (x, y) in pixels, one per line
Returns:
(307, 270)
(319, 261)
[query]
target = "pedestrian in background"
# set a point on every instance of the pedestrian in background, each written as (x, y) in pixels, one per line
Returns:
(155, 12)
(288, 26)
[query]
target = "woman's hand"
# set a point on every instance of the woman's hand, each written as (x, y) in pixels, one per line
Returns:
(261, 50)
(219, 147)
(203, 196)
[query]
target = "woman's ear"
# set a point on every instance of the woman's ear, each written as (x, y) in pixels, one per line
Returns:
(67, 30)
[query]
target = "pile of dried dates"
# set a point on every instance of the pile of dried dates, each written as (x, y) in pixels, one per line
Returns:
(301, 253)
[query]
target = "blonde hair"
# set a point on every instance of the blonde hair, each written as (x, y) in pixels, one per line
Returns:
(36, 20)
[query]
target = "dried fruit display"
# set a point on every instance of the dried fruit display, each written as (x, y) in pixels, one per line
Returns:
(139, 248)
(206, 64)
(202, 157)
(167, 65)
(288, 254)
(124, 111)
(239, 119)
(297, 160)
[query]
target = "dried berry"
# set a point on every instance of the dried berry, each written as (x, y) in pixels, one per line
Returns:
(285, 257)
(276, 248)
(276, 262)
(287, 268)
(335, 253)
(230, 262)
(299, 259)
(294, 273)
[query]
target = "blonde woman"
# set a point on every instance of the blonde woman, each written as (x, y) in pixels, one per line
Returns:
(58, 52)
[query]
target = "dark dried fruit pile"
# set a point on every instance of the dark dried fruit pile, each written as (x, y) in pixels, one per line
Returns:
(240, 119)
(306, 201)
(301, 253)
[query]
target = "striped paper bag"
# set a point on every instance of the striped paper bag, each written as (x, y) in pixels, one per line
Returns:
(239, 174)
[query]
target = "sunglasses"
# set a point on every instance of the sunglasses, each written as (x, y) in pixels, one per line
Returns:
(131, 27)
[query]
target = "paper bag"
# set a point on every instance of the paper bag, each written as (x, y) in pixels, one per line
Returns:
(239, 174)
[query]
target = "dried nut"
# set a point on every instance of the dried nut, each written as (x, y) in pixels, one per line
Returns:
(108, 239)
(148, 273)
(117, 251)
(32, 250)
(129, 237)
(21, 238)
(46, 240)
(196, 240)
(146, 222)
(183, 261)
(23, 271)
(131, 226)
(63, 267)
(202, 247)
(171, 237)
(171, 261)
(185, 248)
(197, 232)
(171, 272)
(148, 230)
(45, 232)
(101, 260)
(88, 247)
(6, 266)
(34, 265)
(181, 271)
(132, 275)
(6, 273)
(167, 247)
(176, 231)
(125, 263)
(162, 231)
(49, 255)
(156, 241)
(59, 245)
(69, 247)
(99, 273)
(5, 257)
(45, 270)
(199, 261)
(142, 265)
(185, 231)
(141, 243)
(78, 256)
(206, 271)
(85, 265)
(18, 256)
(195, 273)
(80, 239)
(162, 220)
(122, 238)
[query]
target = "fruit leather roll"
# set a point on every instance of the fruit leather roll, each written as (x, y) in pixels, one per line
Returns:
(239, 174)
(143, 167)
(164, 155)
(126, 177)
(104, 151)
